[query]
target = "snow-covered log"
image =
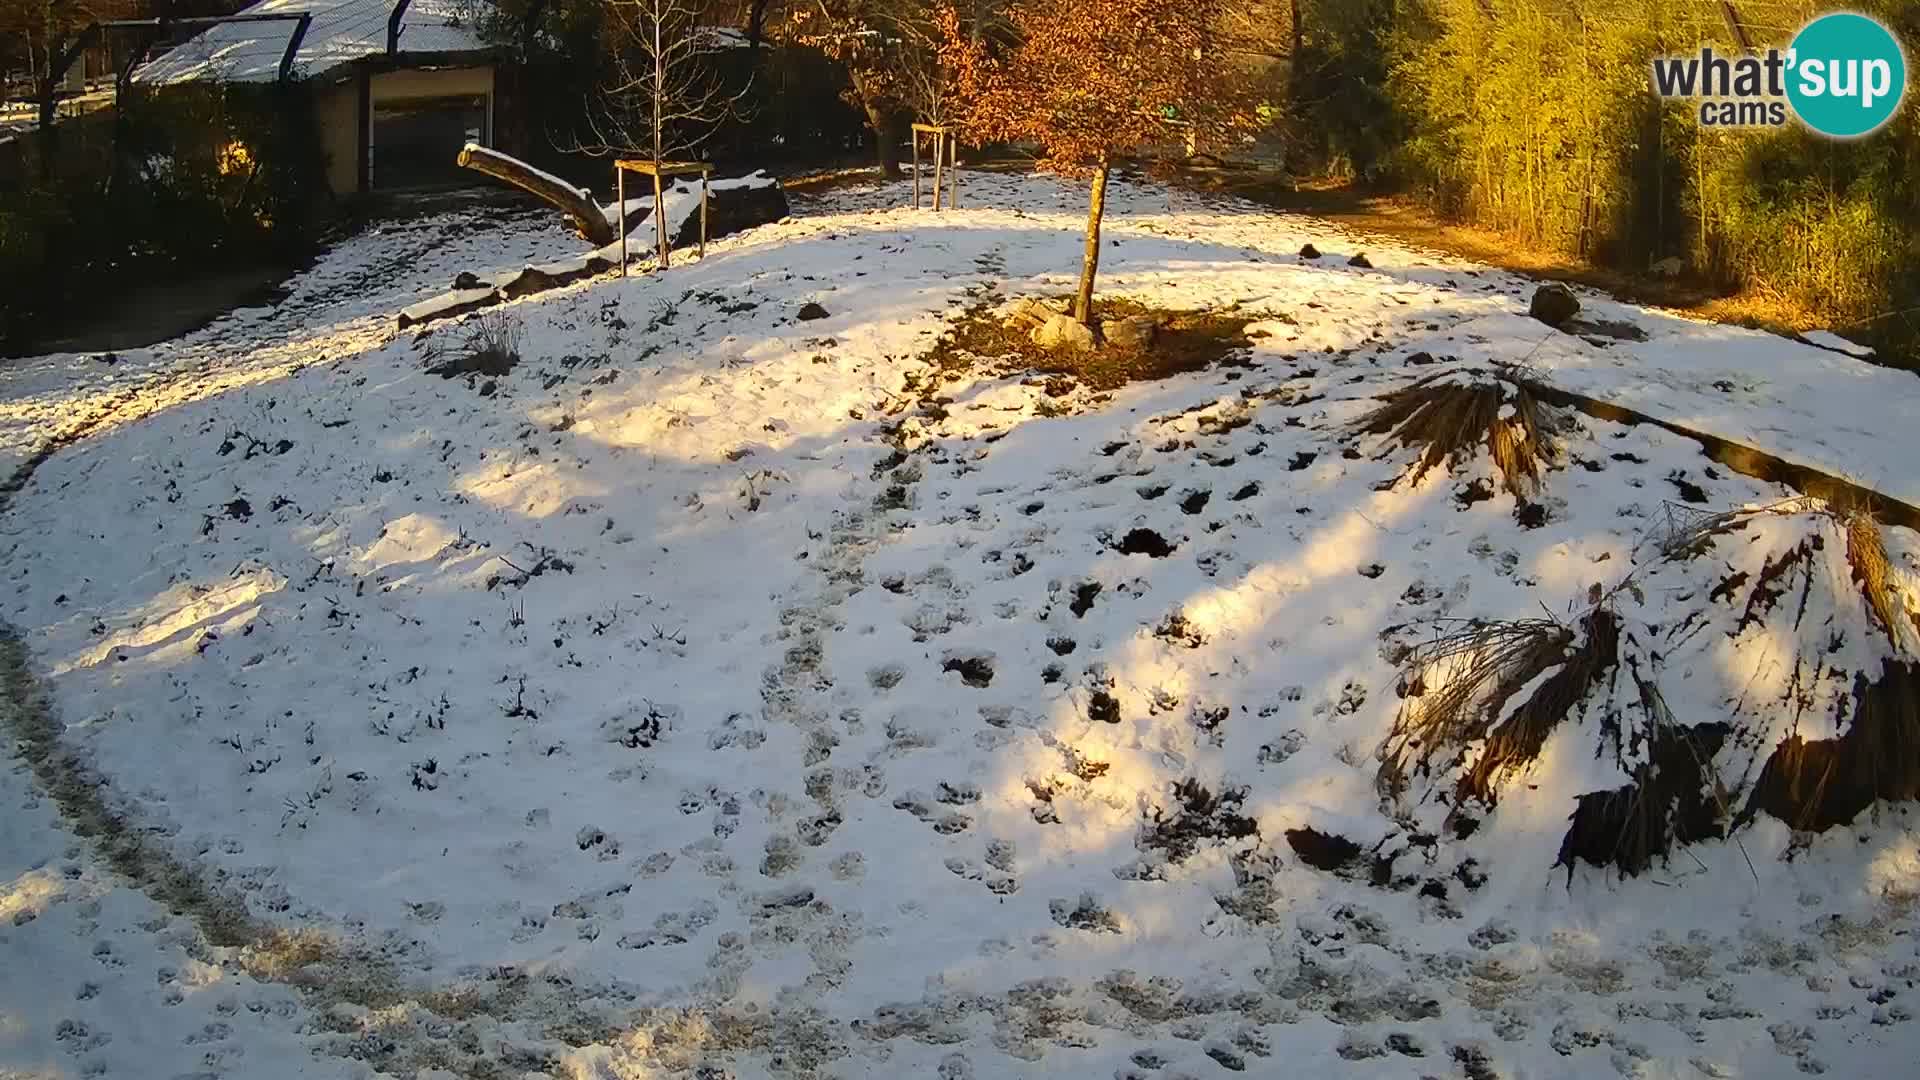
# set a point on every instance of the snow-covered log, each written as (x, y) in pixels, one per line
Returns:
(733, 205)
(572, 201)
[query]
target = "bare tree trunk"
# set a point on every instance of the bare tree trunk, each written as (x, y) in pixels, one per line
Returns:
(882, 124)
(756, 23)
(1090, 265)
(659, 95)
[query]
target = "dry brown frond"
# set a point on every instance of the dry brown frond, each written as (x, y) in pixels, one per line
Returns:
(1867, 557)
(1447, 417)
(1474, 670)
(1671, 802)
(1815, 784)
(1516, 743)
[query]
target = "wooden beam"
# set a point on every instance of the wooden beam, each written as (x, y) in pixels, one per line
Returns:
(939, 161)
(646, 167)
(660, 218)
(293, 45)
(363, 143)
(393, 25)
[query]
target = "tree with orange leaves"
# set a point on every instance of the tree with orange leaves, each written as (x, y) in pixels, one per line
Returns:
(1091, 81)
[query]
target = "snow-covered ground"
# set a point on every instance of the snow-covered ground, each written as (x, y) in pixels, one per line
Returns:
(705, 697)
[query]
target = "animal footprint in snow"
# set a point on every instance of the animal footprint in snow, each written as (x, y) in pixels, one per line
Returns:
(958, 794)
(965, 868)
(815, 831)
(1352, 697)
(80, 1038)
(428, 911)
(210, 1033)
(915, 803)
(1279, 750)
(975, 668)
(783, 855)
(1083, 914)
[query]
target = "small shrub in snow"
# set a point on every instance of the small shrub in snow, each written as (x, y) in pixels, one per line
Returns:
(1449, 415)
(489, 345)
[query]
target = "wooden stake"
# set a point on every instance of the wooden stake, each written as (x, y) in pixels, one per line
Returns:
(703, 215)
(939, 160)
(916, 170)
(660, 219)
(620, 196)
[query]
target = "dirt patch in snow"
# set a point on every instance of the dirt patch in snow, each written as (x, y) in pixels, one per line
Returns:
(980, 339)
(1195, 815)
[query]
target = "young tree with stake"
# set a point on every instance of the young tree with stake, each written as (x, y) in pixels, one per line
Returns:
(665, 93)
(1093, 80)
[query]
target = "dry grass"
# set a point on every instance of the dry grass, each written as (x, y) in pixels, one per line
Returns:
(1447, 419)
(1815, 784)
(1408, 221)
(1188, 341)
(1687, 533)
(1675, 796)
(489, 344)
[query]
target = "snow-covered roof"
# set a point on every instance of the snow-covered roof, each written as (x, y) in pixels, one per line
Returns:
(342, 31)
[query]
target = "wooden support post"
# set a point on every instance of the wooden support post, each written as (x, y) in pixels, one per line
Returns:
(939, 161)
(620, 195)
(663, 172)
(660, 219)
(916, 169)
(954, 199)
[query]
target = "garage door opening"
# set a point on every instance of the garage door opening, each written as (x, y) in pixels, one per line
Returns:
(414, 142)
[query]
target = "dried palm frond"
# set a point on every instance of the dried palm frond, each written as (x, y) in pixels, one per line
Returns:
(1867, 558)
(1815, 784)
(1672, 801)
(1458, 684)
(1516, 743)
(1682, 531)
(1447, 416)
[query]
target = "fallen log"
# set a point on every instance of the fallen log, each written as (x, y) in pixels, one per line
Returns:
(1745, 460)
(734, 205)
(569, 200)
